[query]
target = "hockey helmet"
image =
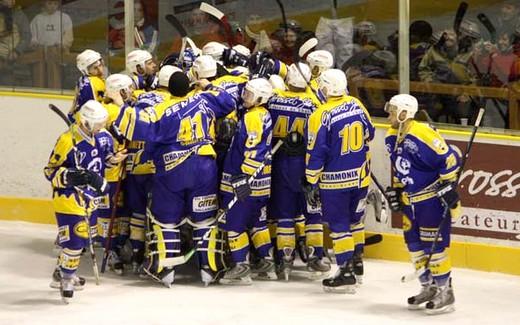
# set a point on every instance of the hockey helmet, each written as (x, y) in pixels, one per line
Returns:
(214, 49)
(85, 59)
(165, 73)
(257, 92)
(319, 61)
(332, 82)
(117, 82)
(242, 50)
(137, 58)
(400, 103)
(93, 116)
(298, 78)
(204, 66)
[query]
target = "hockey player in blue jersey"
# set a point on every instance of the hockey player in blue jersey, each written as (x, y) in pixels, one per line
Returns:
(250, 146)
(425, 169)
(143, 68)
(290, 110)
(177, 136)
(91, 84)
(338, 172)
(75, 170)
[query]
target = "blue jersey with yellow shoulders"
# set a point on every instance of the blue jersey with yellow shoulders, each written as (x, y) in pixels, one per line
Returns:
(75, 149)
(177, 127)
(338, 133)
(422, 157)
(112, 174)
(146, 83)
(249, 148)
(290, 110)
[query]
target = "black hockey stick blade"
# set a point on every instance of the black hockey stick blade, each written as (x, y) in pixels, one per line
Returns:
(58, 111)
(459, 16)
(484, 20)
(177, 25)
(374, 239)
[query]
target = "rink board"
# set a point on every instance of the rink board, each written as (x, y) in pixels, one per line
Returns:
(33, 129)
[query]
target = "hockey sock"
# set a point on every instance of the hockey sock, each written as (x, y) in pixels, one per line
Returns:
(314, 238)
(137, 231)
(261, 240)
(239, 245)
(440, 266)
(285, 237)
(343, 246)
(358, 234)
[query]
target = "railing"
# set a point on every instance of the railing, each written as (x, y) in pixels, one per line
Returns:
(505, 93)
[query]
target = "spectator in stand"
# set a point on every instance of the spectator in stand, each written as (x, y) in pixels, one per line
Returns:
(52, 34)
(15, 34)
(147, 29)
(509, 17)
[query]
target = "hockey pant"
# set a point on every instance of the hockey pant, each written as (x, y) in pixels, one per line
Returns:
(137, 191)
(343, 210)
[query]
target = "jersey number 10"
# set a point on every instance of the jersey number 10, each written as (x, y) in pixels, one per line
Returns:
(351, 138)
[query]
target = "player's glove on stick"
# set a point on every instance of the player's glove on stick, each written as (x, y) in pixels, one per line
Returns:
(75, 177)
(393, 195)
(311, 193)
(447, 192)
(96, 181)
(241, 186)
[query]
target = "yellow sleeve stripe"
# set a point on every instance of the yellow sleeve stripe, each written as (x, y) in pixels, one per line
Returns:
(247, 169)
(449, 176)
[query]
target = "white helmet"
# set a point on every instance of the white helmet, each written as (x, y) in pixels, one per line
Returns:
(85, 59)
(257, 91)
(93, 116)
(277, 82)
(333, 82)
(137, 58)
(242, 50)
(320, 59)
(116, 82)
(204, 67)
(403, 102)
(215, 49)
(165, 73)
(295, 78)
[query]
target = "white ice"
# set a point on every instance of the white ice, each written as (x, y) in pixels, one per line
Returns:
(27, 261)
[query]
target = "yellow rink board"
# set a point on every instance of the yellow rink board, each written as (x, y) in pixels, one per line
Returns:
(468, 255)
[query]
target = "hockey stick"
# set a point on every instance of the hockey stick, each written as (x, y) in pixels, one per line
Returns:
(381, 192)
(374, 239)
(445, 217)
(178, 260)
(184, 34)
(214, 12)
(138, 38)
(58, 111)
(284, 17)
(459, 16)
(484, 20)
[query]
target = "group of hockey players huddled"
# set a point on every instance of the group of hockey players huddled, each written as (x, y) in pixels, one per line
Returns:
(239, 159)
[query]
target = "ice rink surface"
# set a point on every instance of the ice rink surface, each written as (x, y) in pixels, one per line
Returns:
(27, 261)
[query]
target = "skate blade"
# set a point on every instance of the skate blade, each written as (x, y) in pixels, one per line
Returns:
(313, 275)
(269, 276)
(237, 282)
(149, 274)
(350, 289)
(443, 310)
(416, 307)
(65, 300)
(359, 280)
(57, 285)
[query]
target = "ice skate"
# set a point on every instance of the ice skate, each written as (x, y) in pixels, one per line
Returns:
(302, 250)
(208, 276)
(264, 269)
(286, 264)
(67, 289)
(428, 291)
(344, 281)
(115, 263)
(78, 281)
(166, 277)
(238, 275)
(358, 267)
(317, 268)
(137, 261)
(443, 302)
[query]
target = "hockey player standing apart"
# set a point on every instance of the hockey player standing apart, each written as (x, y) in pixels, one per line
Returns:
(424, 168)
(250, 146)
(338, 172)
(76, 164)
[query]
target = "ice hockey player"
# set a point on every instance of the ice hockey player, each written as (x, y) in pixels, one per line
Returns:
(143, 67)
(91, 84)
(319, 61)
(75, 170)
(425, 169)
(178, 139)
(251, 145)
(338, 172)
(290, 111)
(118, 86)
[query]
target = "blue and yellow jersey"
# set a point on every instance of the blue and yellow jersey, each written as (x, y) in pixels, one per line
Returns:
(422, 158)
(74, 149)
(87, 88)
(113, 173)
(290, 110)
(233, 85)
(280, 68)
(145, 82)
(338, 133)
(177, 127)
(249, 148)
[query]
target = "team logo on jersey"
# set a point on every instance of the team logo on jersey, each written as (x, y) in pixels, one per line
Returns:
(94, 152)
(403, 165)
(410, 146)
(325, 119)
(63, 234)
(205, 203)
(407, 224)
(81, 229)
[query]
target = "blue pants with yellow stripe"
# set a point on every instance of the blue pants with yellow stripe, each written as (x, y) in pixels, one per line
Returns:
(137, 189)
(248, 215)
(287, 204)
(343, 210)
(420, 223)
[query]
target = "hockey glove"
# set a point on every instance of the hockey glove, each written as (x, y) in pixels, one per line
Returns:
(311, 193)
(393, 195)
(96, 181)
(116, 133)
(231, 57)
(294, 144)
(241, 186)
(447, 192)
(226, 128)
(75, 177)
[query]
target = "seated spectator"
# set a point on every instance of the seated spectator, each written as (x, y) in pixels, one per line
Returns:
(52, 33)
